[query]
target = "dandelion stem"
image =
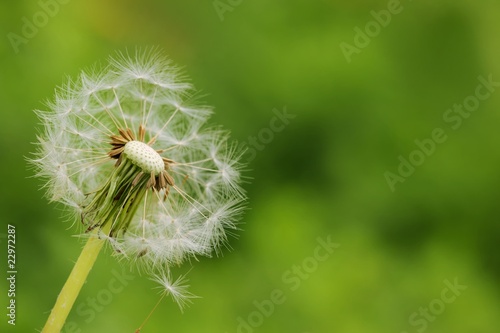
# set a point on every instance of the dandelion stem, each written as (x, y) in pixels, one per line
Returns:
(72, 287)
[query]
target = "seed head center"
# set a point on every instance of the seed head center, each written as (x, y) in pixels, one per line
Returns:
(144, 157)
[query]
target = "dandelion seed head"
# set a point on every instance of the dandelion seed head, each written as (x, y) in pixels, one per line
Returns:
(127, 150)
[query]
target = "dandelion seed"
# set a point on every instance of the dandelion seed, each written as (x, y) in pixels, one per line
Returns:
(177, 289)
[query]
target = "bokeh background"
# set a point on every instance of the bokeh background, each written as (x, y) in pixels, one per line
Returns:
(321, 176)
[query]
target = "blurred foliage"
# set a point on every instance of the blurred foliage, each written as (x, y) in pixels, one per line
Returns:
(322, 175)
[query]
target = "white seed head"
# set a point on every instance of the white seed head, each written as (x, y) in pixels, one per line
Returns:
(141, 103)
(144, 157)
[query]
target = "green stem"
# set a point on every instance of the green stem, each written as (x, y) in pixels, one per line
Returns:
(72, 287)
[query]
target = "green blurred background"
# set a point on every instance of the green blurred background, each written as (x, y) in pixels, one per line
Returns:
(321, 176)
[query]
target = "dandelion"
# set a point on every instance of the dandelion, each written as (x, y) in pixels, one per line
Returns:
(127, 150)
